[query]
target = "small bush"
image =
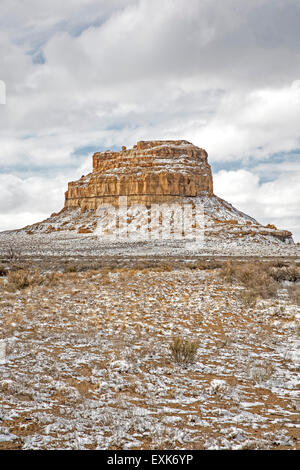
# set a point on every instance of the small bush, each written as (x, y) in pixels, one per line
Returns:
(183, 351)
(254, 276)
(266, 288)
(207, 264)
(3, 270)
(294, 294)
(248, 297)
(228, 271)
(20, 279)
(11, 288)
(261, 372)
(70, 268)
(12, 253)
(52, 278)
(286, 273)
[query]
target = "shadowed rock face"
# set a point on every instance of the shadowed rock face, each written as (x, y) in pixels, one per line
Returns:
(150, 172)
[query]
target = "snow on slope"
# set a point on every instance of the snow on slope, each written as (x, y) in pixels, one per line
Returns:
(225, 231)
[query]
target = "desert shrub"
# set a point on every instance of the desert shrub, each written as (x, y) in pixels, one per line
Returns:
(285, 273)
(52, 278)
(278, 274)
(70, 268)
(293, 273)
(12, 253)
(163, 267)
(125, 274)
(208, 264)
(145, 267)
(279, 263)
(267, 288)
(261, 372)
(20, 279)
(228, 271)
(248, 297)
(254, 276)
(11, 288)
(3, 270)
(294, 294)
(183, 351)
(36, 279)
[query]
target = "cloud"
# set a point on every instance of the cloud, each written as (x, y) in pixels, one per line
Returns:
(36, 194)
(256, 124)
(91, 73)
(25, 200)
(274, 202)
(12, 221)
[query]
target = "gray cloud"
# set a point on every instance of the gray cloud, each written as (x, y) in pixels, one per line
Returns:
(273, 202)
(224, 75)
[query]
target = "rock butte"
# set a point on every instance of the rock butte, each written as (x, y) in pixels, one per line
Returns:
(151, 172)
(158, 172)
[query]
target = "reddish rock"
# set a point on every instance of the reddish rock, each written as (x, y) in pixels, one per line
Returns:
(84, 230)
(152, 171)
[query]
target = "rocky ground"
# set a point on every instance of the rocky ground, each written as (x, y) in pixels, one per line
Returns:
(86, 362)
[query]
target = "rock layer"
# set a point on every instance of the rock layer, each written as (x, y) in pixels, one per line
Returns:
(152, 171)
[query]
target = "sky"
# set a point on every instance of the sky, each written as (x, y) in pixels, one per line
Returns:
(89, 75)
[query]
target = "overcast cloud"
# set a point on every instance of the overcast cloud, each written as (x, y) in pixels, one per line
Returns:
(83, 75)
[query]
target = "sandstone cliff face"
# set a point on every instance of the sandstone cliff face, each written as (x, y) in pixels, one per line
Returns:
(152, 171)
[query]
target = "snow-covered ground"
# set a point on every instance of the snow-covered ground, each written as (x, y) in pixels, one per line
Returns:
(69, 244)
(85, 363)
(85, 358)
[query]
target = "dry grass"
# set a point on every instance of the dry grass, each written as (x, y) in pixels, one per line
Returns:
(261, 372)
(248, 297)
(52, 279)
(18, 280)
(294, 294)
(97, 346)
(70, 268)
(22, 278)
(285, 273)
(183, 351)
(256, 277)
(3, 270)
(160, 264)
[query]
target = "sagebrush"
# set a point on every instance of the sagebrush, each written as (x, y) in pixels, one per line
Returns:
(184, 351)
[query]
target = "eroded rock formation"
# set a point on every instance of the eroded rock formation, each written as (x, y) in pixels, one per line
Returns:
(159, 190)
(152, 171)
